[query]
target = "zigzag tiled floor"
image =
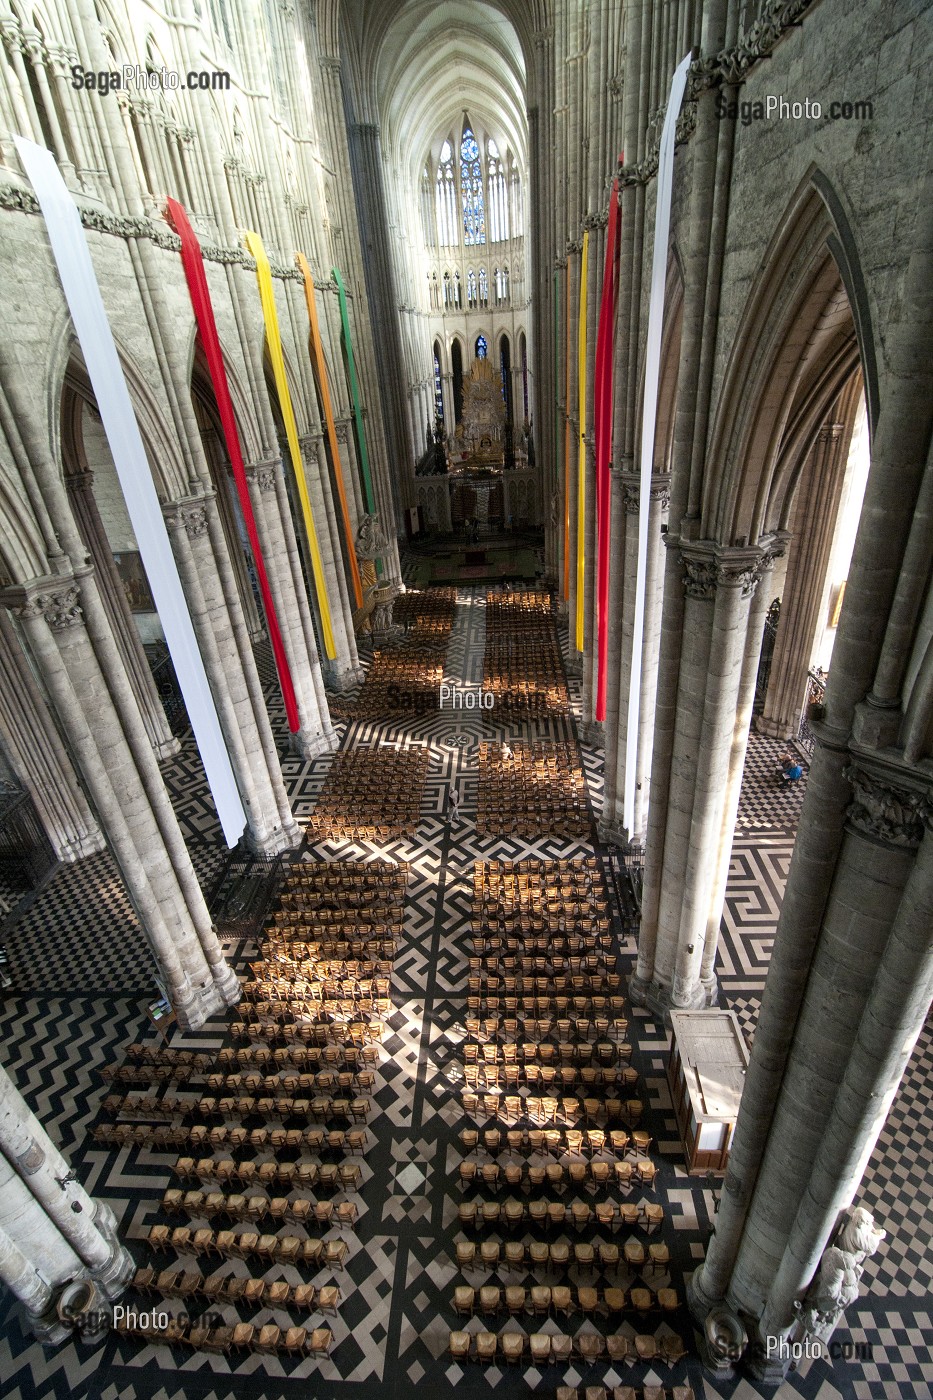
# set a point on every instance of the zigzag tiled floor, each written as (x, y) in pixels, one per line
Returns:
(391, 1332)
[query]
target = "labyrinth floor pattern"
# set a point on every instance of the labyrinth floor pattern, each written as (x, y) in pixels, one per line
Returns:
(391, 1332)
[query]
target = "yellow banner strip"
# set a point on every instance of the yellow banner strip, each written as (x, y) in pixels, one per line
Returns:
(274, 339)
(581, 460)
(320, 373)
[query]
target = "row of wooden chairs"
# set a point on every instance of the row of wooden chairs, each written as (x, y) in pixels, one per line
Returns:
(544, 1301)
(294, 954)
(292, 961)
(323, 1176)
(298, 1059)
(243, 1336)
(379, 942)
(385, 784)
(537, 1052)
(226, 1244)
(538, 786)
(549, 964)
(490, 1005)
(557, 1140)
(543, 1214)
(512, 1346)
(319, 1109)
(232, 1138)
(253, 1082)
(564, 1030)
(279, 1025)
(547, 1078)
(550, 1109)
(569, 941)
(316, 998)
(281, 1210)
(230, 1288)
(556, 1175)
(645, 1215)
(558, 1255)
(342, 875)
(494, 984)
(401, 680)
(623, 1392)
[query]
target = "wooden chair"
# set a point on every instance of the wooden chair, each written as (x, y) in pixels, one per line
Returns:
(540, 1344)
(464, 1298)
(459, 1346)
(318, 1344)
(512, 1345)
(486, 1343)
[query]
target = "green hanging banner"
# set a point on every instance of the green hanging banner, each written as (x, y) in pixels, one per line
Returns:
(354, 393)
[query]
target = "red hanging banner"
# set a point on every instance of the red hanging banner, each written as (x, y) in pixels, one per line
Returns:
(204, 315)
(602, 433)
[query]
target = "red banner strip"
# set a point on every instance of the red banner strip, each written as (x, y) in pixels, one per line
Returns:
(602, 430)
(204, 315)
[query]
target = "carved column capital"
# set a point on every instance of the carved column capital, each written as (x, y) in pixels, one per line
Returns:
(708, 567)
(886, 810)
(262, 474)
(659, 490)
(189, 515)
(57, 600)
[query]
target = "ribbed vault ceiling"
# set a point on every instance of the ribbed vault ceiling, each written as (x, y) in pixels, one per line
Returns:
(421, 64)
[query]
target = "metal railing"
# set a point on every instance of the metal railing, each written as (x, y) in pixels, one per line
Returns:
(240, 896)
(26, 853)
(816, 693)
(767, 654)
(166, 684)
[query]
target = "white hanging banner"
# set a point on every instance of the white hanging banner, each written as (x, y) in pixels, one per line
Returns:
(73, 258)
(662, 225)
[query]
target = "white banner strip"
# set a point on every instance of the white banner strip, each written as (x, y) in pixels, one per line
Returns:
(649, 413)
(82, 293)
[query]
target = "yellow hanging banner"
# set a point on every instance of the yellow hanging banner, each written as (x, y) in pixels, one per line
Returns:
(320, 372)
(581, 459)
(274, 339)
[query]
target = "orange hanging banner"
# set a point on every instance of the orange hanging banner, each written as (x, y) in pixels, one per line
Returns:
(319, 366)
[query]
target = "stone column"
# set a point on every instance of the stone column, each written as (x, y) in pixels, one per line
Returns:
(90, 525)
(269, 495)
(719, 585)
(113, 765)
(229, 663)
(41, 761)
(381, 293)
(68, 1224)
(828, 1111)
(733, 781)
(895, 1009)
(808, 558)
(622, 581)
(344, 671)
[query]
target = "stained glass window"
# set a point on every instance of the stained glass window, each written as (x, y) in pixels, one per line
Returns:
(438, 392)
(481, 347)
(471, 190)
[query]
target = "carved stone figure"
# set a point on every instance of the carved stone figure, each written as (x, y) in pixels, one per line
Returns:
(860, 1236)
(370, 541)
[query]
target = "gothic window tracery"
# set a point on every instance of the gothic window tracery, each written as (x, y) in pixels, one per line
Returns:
(472, 197)
(444, 200)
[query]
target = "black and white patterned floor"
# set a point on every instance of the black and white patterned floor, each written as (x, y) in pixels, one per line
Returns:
(391, 1332)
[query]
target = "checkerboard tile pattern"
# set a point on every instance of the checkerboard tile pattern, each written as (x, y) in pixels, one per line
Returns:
(390, 1337)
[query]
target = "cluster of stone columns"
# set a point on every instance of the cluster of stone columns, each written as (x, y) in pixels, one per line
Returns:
(66, 631)
(51, 1231)
(851, 973)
